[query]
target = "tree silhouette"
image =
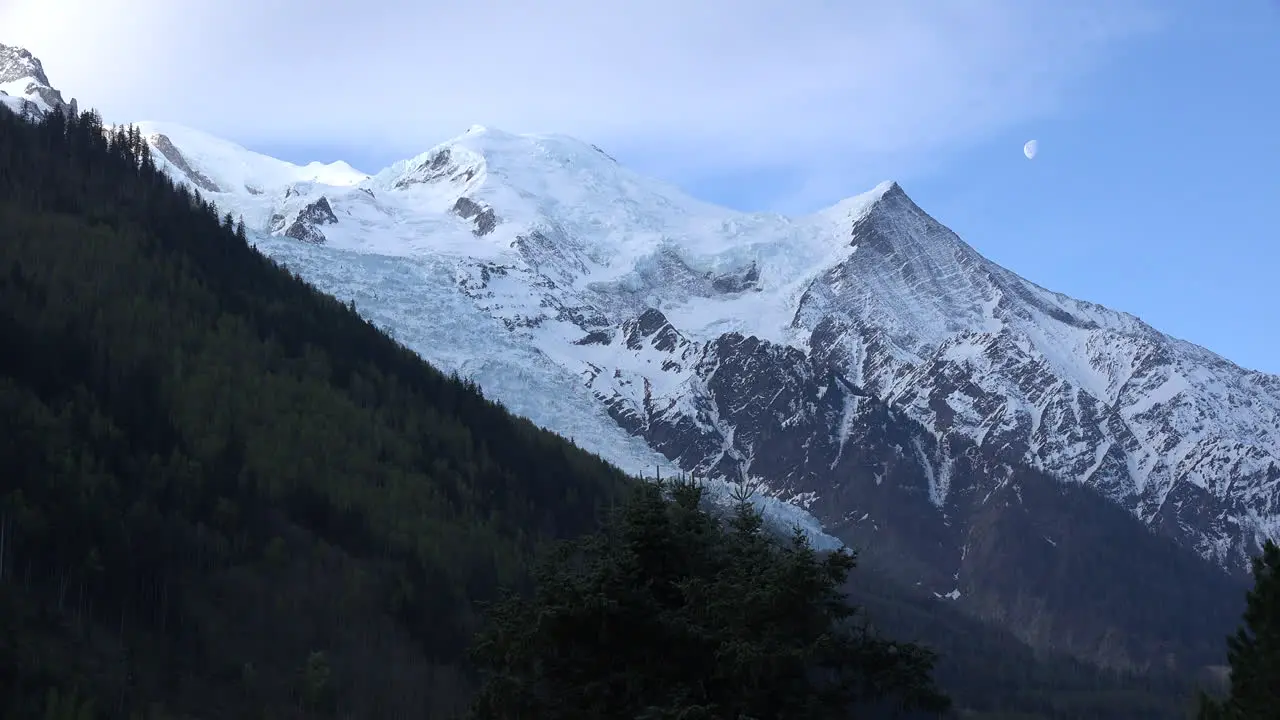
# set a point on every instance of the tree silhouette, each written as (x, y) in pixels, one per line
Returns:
(1254, 650)
(668, 613)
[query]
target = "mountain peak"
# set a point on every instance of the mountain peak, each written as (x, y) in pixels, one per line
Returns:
(24, 86)
(539, 175)
(890, 189)
(888, 194)
(18, 63)
(890, 197)
(857, 206)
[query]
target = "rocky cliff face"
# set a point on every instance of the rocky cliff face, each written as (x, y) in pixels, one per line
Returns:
(307, 222)
(913, 317)
(24, 87)
(19, 64)
(937, 510)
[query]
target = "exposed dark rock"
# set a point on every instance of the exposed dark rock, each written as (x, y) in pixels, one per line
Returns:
(18, 63)
(440, 165)
(652, 326)
(299, 230)
(737, 282)
(51, 97)
(602, 152)
(306, 225)
(170, 152)
(596, 337)
(585, 317)
(438, 161)
(482, 216)
(318, 212)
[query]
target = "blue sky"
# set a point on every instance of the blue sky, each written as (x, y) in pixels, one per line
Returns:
(1169, 173)
(1159, 155)
(1156, 189)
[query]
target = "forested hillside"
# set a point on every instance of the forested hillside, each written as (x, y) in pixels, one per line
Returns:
(223, 494)
(221, 487)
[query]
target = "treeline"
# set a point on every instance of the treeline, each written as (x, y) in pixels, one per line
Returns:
(218, 484)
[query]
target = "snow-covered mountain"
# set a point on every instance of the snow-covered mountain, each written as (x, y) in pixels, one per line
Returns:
(414, 255)
(682, 319)
(24, 88)
(863, 365)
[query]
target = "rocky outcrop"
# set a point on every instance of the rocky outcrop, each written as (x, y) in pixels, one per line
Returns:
(163, 145)
(25, 75)
(306, 224)
(18, 64)
(482, 216)
(439, 166)
(305, 233)
(318, 212)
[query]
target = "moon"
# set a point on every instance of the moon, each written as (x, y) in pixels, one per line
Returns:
(1030, 149)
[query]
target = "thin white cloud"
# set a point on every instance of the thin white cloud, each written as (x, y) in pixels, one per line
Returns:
(701, 86)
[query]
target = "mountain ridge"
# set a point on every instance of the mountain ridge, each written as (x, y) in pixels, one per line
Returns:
(913, 299)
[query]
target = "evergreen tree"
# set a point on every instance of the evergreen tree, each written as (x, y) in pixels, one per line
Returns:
(1254, 650)
(667, 613)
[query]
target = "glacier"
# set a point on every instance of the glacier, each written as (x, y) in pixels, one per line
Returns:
(414, 300)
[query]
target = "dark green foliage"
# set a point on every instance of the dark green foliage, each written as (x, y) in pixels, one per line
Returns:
(221, 489)
(668, 613)
(67, 707)
(1254, 650)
